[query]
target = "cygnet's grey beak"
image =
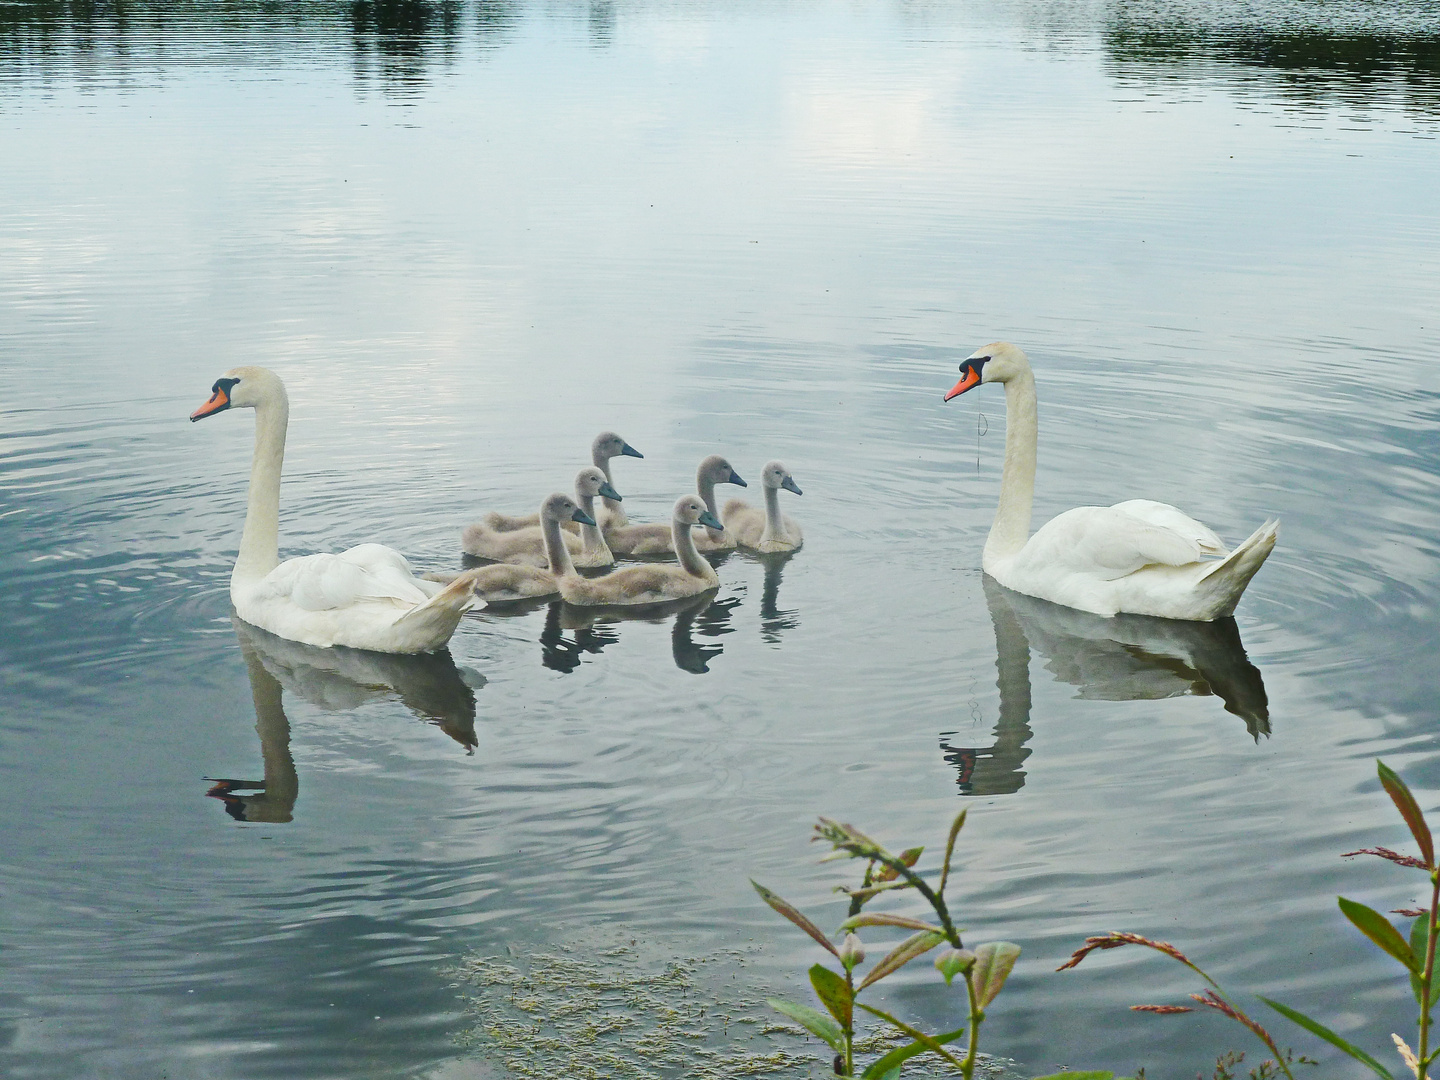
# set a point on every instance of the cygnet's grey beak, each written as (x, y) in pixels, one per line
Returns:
(582, 517)
(629, 451)
(735, 479)
(609, 492)
(710, 521)
(789, 485)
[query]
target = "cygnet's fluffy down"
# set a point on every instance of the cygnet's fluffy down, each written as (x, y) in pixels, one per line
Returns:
(607, 445)
(509, 582)
(526, 547)
(768, 529)
(655, 539)
(652, 584)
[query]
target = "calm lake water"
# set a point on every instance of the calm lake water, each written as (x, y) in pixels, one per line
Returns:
(469, 236)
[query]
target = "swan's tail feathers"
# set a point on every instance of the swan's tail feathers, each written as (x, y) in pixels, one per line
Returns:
(1226, 580)
(428, 626)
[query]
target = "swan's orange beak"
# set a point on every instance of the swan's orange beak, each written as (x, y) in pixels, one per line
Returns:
(969, 377)
(219, 400)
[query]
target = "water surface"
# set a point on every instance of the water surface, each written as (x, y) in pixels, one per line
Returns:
(469, 236)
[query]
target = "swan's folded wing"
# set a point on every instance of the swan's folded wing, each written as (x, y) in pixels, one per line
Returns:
(324, 582)
(1105, 543)
(1165, 516)
(1122, 543)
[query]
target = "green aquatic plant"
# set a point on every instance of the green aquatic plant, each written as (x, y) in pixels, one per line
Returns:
(1414, 952)
(983, 971)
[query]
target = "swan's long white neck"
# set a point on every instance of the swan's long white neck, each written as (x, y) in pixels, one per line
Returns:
(603, 464)
(556, 553)
(1011, 527)
(774, 523)
(260, 542)
(591, 535)
(687, 554)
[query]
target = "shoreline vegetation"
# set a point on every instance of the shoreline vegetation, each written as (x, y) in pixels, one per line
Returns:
(1312, 54)
(984, 969)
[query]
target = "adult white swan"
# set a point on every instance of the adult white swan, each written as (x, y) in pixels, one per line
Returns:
(1140, 556)
(366, 597)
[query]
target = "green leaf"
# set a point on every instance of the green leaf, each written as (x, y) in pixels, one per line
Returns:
(791, 912)
(813, 1021)
(1317, 1028)
(913, 946)
(883, 919)
(993, 962)
(834, 993)
(890, 1064)
(1378, 929)
(1409, 809)
(928, 1041)
(1419, 935)
(1078, 1076)
(952, 962)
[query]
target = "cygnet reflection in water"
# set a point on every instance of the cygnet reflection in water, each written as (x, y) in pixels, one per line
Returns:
(337, 680)
(594, 628)
(564, 654)
(774, 620)
(1124, 658)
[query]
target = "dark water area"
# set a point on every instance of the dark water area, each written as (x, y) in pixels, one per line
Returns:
(471, 235)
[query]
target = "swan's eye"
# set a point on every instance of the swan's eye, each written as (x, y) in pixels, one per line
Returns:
(224, 386)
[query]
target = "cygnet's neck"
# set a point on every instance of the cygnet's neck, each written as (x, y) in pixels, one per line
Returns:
(687, 554)
(774, 522)
(591, 535)
(556, 553)
(260, 542)
(603, 464)
(705, 488)
(1011, 527)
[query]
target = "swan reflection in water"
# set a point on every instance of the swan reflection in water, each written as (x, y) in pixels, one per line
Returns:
(337, 680)
(1125, 658)
(593, 628)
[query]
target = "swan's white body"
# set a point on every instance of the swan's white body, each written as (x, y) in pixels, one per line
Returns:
(606, 445)
(366, 598)
(526, 546)
(658, 539)
(1140, 557)
(634, 585)
(766, 530)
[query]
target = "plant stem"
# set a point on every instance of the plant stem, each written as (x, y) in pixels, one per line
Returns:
(936, 902)
(1427, 975)
(976, 1015)
(850, 1027)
